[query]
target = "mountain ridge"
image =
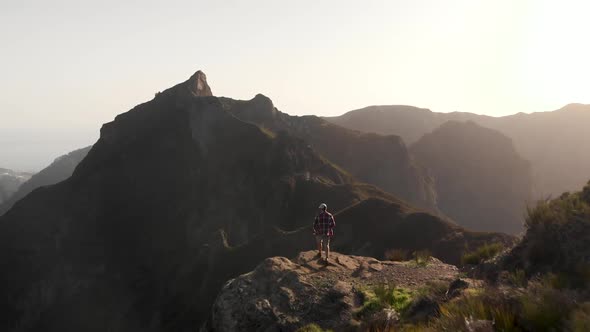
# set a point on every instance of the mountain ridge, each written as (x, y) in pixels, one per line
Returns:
(60, 169)
(115, 247)
(383, 161)
(10, 182)
(482, 182)
(555, 142)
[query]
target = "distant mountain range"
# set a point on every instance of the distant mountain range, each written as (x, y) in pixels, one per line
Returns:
(10, 181)
(556, 143)
(481, 181)
(187, 190)
(59, 170)
(383, 161)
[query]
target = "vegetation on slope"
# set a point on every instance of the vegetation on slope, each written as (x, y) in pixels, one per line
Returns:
(542, 284)
(557, 237)
(482, 253)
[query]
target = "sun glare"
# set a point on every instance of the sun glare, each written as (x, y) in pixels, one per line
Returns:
(554, 53)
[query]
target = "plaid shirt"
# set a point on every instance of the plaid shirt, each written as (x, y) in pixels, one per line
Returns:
(324, 224)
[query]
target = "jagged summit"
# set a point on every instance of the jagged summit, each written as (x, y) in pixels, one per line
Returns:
(197, 85)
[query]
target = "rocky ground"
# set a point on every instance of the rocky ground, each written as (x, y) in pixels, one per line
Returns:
(284, 295)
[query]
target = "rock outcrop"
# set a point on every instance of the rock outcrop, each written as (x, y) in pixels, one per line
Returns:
(284, 295)
(197, 85)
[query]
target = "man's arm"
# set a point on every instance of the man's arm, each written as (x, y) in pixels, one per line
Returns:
(332, 222)
(315, 225)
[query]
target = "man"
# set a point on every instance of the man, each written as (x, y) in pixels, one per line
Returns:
(323, 229)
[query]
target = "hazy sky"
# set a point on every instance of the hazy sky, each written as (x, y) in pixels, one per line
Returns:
(66, 67)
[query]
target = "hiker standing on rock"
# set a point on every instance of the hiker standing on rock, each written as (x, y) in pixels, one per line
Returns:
(323, 229)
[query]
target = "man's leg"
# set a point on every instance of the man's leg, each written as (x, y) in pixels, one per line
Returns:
(318, 239)
(327, 246)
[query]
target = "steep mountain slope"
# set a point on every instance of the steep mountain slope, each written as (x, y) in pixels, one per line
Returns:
(556, 239)
(555, 142)
(10, 181)
(177, 196)
(482, 182)
(59, 170)
(379, 160)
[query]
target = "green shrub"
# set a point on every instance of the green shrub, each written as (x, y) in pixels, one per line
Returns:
(482, 253)
(312, 328)
(415, 328)
(560, 210)
(518, 278)
(585, 195)
(422, 257)
(556, 231)
(397, 255)
(402, 298)
(434, 288)
(486, 305)
(555, 280)
(544, 308)
(383, 297)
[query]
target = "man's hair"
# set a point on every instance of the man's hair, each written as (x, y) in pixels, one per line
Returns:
(323, 206)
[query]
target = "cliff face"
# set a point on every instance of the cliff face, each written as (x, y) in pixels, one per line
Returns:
(482, 182)
(177, 196)
(383, 161)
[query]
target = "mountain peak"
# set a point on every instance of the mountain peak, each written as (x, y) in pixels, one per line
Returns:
(575, 107)
(263, 101)
(197, 84)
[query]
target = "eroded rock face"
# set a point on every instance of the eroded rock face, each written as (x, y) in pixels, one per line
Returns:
(283, 295)
(197, 84)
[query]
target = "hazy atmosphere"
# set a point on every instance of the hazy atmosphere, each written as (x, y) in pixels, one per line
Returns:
(302, 166)
(70, 66)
